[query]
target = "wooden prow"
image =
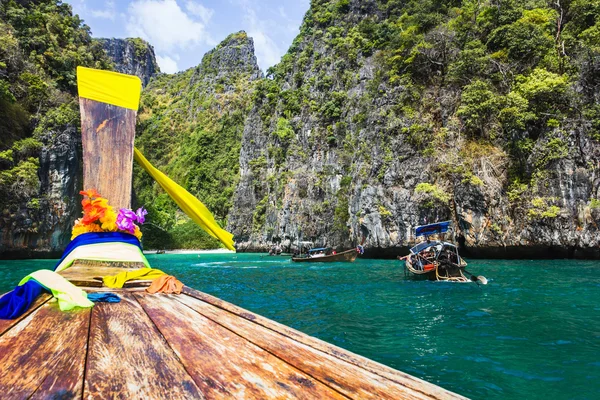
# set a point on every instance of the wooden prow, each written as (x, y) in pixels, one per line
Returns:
(107, 134)
(108, 102)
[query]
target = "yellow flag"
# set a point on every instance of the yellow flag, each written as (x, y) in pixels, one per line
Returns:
(188, 203)
(109, 87)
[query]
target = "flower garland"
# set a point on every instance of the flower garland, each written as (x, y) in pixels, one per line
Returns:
(99, 216)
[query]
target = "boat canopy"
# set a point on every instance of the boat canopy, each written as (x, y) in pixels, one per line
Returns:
(438, 227)
(423, 245)
(319, 249)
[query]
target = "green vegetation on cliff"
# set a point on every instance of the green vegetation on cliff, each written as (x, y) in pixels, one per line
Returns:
(41, 44)
(190, 126)
(369, 84)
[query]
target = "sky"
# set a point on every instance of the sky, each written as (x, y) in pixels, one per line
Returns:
(182, 31)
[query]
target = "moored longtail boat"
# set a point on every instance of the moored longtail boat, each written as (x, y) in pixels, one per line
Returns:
(437, 260)
(326, 254)
(143, 345)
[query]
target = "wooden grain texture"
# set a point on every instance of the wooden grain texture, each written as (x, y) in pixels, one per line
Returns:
(43, 356)
(6, 324)
(107, 134)
(409, 381)
(91, 276)
(344, 377)
(129, 359)
(222, 363)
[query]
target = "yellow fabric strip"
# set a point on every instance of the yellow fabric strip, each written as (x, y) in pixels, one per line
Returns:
(188, 203)
(109, 87)
(117, 281)
(111, 251)
(69, 296)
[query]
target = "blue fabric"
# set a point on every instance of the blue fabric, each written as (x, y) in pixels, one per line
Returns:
(98, 237)
(15, 303)
(438, 227)
(105, 297)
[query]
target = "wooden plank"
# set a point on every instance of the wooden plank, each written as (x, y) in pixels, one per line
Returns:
(91, 276)
(107, 134)
(45, 354)
(222, 363)
(342, 376)
(409, 381)
(128, 358)
(6, 324)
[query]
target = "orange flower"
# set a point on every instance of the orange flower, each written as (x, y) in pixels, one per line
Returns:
(93, 214)
(91, 193)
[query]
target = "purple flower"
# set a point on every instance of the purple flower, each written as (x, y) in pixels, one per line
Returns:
(125, 220)
(141, 215)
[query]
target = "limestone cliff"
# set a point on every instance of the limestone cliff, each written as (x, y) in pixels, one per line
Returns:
(132, 56)
(384, 116)
(190, 126)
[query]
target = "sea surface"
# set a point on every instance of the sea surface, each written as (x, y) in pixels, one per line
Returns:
(532, 333)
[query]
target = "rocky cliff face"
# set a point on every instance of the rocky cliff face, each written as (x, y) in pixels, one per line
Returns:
(132, 56)
(190, 126)
(383, 117)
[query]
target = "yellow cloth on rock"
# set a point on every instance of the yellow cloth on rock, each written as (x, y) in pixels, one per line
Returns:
(188, 203)
(68, 295)
(117, 281)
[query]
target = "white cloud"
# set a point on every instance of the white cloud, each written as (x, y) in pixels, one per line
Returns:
(282, 12)
(199, 10)
(267, 51)
(167, 64)
(108, 12)
(164, 24)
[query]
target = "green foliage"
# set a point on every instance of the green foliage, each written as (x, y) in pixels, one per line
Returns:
(543, 89)
(6, 159)
(541, 209)
(284, 130)
(470, 64)
(54, 39)
(594, 204)
(479, 106)
(432, 195)
(516, 191)
(20, 182)
(529, 38)
(384, 212)
(554, 149)
(494, 227)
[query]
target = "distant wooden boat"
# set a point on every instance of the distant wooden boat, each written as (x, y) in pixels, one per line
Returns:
(327, 255)
(437, 260)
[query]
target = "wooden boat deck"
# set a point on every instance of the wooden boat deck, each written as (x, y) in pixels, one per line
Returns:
(191, 345)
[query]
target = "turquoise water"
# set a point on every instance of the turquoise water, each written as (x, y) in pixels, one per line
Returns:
(532, 333)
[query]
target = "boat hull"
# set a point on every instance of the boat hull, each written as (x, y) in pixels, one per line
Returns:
(346, 256)
(437, 273)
